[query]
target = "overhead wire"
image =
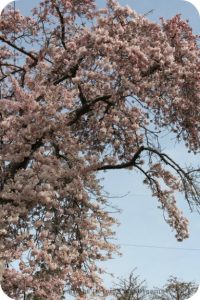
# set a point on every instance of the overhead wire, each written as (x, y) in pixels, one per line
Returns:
(158, 247)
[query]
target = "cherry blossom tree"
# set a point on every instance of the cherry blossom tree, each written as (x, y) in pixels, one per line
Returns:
(84, 91)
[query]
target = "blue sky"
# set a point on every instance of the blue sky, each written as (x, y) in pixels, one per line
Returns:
(142, 222)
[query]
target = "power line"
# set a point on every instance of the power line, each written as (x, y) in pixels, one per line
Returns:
(160, 247)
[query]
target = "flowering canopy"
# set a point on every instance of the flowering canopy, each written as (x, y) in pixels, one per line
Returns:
(82, 91)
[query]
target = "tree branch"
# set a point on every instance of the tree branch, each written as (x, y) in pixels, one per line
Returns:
(191, 191)
(62, 26)
(14, 167)
(70, 74)
(19, 49)
(86, 108)
(131, 163)
(82, 97)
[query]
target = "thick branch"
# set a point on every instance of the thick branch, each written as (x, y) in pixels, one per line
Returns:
(82, 97)
(62, 26)
(14, 167)
(18, 48)
(190, 189)
(131, 163)
(70, 74)
(86, 108)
